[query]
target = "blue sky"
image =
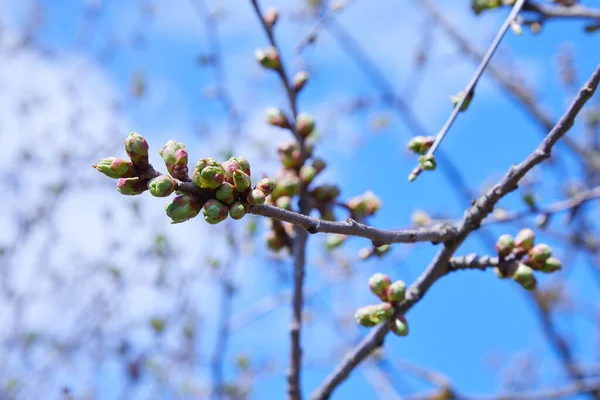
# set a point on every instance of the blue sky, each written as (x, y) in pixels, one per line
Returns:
(463, 319)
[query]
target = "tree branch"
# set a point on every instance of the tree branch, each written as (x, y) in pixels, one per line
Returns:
(554, 12)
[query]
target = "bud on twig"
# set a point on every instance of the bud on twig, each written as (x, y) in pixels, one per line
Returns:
(268, 57)
(215, 211)
(505, 245)
(525, 239)
(551, 265)
(115, 168)
(276, 117)
(400, 326)
(539, 254)
(226, 193)
(256, 197)
(300, 80)
(305, 124)
(131, 186)
(241, 181)
(161, 186)
(420, 144)
(175, 157)
(137, 149)
(183, 207)
(266, 185)
(271, 16)
(379, 283)
(237, 210)
(395, 292)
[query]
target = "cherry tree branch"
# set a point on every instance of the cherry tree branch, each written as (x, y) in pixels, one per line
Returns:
(557, 11)
(441, 264)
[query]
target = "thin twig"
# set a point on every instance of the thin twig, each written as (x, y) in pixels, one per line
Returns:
(557, 11)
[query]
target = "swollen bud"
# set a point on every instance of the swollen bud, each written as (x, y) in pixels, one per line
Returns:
(115, 168)
(539, 254)
(183, 207)
(307, 174)
(241, 180)
(525, 239)
(318, 164)
(395, 293)
(137, 149)
(326, 193)
(131, 186)
(266, 185)
(215, 211)
(420, 144)
(305, 124)
(271, 16)
(379, 283)
(428, 163)
(268, 57)
(399, 326)
(284, 202)
(237, 210)
(524, 276)
(175, 157)
(300, 80)
(276, 117)
(551, 265)
(335, 241)
(363, 316)
(381, 313)
(256, 197)
(275, 241)
(457, 99)
(505, 245)
(212, 176)
(226, 193)
(161, 186)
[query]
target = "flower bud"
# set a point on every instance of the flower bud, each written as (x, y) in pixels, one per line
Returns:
(237, 210)
(363, 316)
(115, 168)
(428, 163)
(215, 211)
(161, 186)
(212, 176)
(318, 164)
(307, 174)
(305, 124)
(381, 250)
(381, 313)
(244, 165)
(289, 154)
(268, 57)
(395, 292)
(271, 16)
(480, 5)
(365, 253)
(137, 149)
(275, 241)
(284, 202)
(524, 275)
(420, 144)
(276, 117)
(539, 254)
(226, 193)
(200, 165)
(551, 265)
(400, 326)
(334, 241)
(242, 181)
(542, 220)
(525, 239)
(421, 218)
(183, 207)
(505, 245)
(379, 283)
(300, 80)
(175, 157)
(326, 193)
(256, 197)
(266, 185)
(131, 186)
(288, 184)
(457, 99)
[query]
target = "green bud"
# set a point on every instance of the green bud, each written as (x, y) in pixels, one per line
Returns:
(525, 239)
(326, 193)
(268, 57)
(162, 186)
(524, 275)
(395, 292)
(137, 149)
(457, 99)
(307, 174)
(288, 184)
(175, 157)
(215, 211)
(244, 165)
(505, 245)
(200, 165)
(366, 204)
(399, 326)
(379, 283)
(420, 144)
(300, 80)
(541, 220)
(242, 181)
(305, 124)
(363, 316)
(131, 186)
(539, 254)
(237, 210)
(183, 207)
(276, 117)
(274, 241)
(115, 168)
(266, 185)
(318, 164)
(284, 202)
(530, 199)
(420, 218)
(428, 163)
(289, 154)
(212, 176)
(334, 241)
(381, 250)
(381, 313)
(551, 265)
(480, 5)
(226, 193)
(256, 197)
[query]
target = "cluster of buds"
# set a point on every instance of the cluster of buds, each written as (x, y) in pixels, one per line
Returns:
(220, 189)
(390, 295)
(527, 256)
(420, 145)
(363, 206)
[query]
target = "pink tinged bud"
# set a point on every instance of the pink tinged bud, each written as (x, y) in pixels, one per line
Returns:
(115, 168)
(505, 245)
(183, 207)
(395, 292)
(365, 253)
(525, 239)
(137, 149)
(215, 211)
(276, 117)
(268, 57)
(212, 177)
(428, 163)
(363, 316)
(318, 164)
(266, 185)
(226, 193)
(244, 165)
(400, 326)
(284, 202)
(305, 124)
(307, 174)
(161, 186)
(539, 254)
(300, 80)
(382, 312)
(379, 283)
(420, 144)
(200, 165)
(256, 197)
(373, 203)
(290, 155)
(524, 276)
(381, 250)
(242, 181)
(288, 184)
(326, 193)
(237, 210)
(456, 99)
(335, 241)
(271, 16)
(551, 265)
(131, 186)
(175, 157)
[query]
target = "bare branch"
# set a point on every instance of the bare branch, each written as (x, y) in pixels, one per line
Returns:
(554, 12)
